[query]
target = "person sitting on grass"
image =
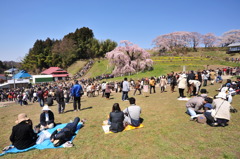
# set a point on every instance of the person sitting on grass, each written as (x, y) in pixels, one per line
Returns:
(220, 114)
(60, 136)
(132, 114)
(195, 104)
(23, 136)
(116, 119)
(46, 118)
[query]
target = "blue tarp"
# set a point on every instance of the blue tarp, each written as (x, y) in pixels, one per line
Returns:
(22, 74)
(46, 144)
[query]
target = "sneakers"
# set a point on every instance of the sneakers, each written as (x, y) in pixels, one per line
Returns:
(193, 119)
(214, 124)
(68, 144)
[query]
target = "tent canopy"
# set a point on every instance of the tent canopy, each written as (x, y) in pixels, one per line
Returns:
(22, 74)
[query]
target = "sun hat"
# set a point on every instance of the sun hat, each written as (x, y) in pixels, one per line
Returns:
(208, 105)
(45, 107)
(221, 95)
(21, 117)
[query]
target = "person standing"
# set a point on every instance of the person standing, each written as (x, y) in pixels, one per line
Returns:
(60, 100)
(163, 83)
(173, 82)
(137, 87)
(103, 88)
(107, 91)
(182, 84)
(205, 78)
(40, 97)
(212, 75)
(152, 84)
(76, 89)
(125, 89)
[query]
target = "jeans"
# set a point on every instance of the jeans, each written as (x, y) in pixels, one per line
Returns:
(20, 102)
(205, 82)
(124, 95)
(191, 112)
(41, 101)
(77, 101)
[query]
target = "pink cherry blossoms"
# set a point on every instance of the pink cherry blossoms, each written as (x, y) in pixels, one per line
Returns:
(129, 59)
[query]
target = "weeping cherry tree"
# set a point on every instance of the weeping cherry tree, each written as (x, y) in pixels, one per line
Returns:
(129, 58)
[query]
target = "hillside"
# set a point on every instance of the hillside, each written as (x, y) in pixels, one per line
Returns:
(165, 64)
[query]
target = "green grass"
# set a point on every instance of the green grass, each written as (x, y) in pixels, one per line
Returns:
(99, 67)
(167, 131)
(75, 67)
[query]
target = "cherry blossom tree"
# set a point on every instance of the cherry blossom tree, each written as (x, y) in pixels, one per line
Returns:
(229, 37)
(172, 41)
(195, 39)
(209, 39)
(129, 58)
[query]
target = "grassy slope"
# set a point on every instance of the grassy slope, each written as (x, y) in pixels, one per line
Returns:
(192, 61)
(75, 67)
(168, 133)
(99, 68)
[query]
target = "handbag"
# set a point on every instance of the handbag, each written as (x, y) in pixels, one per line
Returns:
(81, 92)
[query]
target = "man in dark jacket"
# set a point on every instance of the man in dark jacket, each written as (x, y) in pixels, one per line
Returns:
(40, 97)
(76, 93)
(60, 100)
(23, 135)
(60, 136)
(46, 118)
(49, 100)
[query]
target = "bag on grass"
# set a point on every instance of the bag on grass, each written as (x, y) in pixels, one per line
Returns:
(201, 119)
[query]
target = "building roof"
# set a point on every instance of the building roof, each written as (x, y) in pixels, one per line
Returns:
(11, 70)
(53, 70)
(22, 74)
(234, 44)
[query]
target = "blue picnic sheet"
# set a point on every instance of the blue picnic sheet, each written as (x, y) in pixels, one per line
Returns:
(46, 144)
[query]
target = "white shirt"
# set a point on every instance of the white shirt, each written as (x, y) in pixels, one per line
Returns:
(46, 116)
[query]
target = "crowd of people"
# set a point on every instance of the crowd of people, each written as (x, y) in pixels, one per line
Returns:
(232, 59)
(216, 111)
(84, 70)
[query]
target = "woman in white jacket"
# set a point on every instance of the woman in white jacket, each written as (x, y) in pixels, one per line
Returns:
(182, 84)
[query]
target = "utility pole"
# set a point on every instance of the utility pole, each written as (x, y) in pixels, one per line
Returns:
(13, 72)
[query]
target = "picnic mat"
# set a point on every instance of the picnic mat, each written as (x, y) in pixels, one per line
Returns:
(46, 144)
(129, 127)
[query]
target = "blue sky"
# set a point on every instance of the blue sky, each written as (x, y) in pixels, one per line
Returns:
(22, 22)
